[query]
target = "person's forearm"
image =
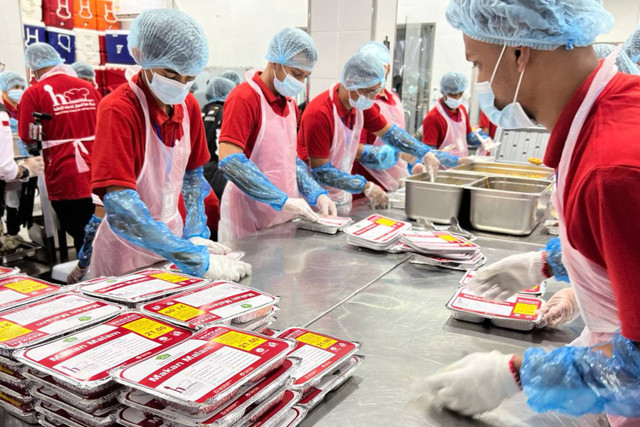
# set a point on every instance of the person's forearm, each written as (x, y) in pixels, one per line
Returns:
(329, 176)
(194, 190)
(402, 141)
(307, 185)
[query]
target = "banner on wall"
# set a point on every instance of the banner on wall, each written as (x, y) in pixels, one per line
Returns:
(64, 42)
(33, 33)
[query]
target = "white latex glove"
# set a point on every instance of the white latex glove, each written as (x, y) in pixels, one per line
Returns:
(225, 268)
(417, 169)
(466, 160)
(326, 205)
(475, 384)
(215, 248)
(378, 198)
(506, 277)
(301, 208)
(34, 164)
(431, 163)
(561, 308)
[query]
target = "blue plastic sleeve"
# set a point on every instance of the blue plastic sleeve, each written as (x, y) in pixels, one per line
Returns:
(329, 176)
(130, 219)
(308, 186)
(194, 190)
(403, 142)
(583, 380)
(379, 157)
(447, 160)
(23, 148)
(554, 259)
(238, 169)
(473, 140)
(84, 256)
(13, 123)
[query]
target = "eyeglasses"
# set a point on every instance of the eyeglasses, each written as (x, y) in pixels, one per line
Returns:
(369, 93)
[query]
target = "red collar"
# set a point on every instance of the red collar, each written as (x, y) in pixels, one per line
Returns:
(270, 96)
(342, 112)
(157, 113)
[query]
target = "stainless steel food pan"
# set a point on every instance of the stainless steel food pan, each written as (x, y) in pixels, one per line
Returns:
(507, 169)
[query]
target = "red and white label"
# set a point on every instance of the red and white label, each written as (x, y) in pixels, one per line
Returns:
(437, 241)
(471, 274)
(333, 221)
(20, 289)
(516, 307)
(377, 229)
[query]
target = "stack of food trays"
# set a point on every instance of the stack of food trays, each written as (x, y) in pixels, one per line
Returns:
(376, 232)
(216, 303)
(325, 224)
(31, 324)
(218, 377)
(442, 249)
(8, 271)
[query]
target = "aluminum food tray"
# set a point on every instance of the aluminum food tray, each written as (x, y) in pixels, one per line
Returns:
(506, 169)
(131, 417)
(29, 417)
(339, 377)
(303, 224)
(51, 398)
(90, 406)
(276, 414)
(294, 417)
(70, 420)
(262, 408)
(508, 205)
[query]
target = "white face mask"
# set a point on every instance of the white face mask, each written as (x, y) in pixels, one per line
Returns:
(290, 86)
(453, 103)
(169, 91)
(513, 115)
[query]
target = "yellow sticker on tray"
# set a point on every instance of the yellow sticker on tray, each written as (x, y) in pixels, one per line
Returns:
(386, 222)
(181, 311)
(527, 309)
(448, 237)
(169, 277)
(10, 399)
(148, 328)
(26, 286)
(239, 340)
(9, 331)
(316, 340)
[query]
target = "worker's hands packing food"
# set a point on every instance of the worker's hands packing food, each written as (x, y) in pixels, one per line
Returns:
(313, 193)
(214, 248)
(300, 208)
(378, 198)
(561, 308)
(225, 268)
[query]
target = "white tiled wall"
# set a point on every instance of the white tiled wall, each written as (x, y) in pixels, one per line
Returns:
(11, 49)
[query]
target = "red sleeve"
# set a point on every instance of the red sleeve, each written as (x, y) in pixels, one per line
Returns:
(374, 121)
(316, 135)
(240, 116)
(25, 108)
(367, 137)
(199, 150)
(607, 233)
(466, 116)
(116, 148)
(432, 130)
(484, 121)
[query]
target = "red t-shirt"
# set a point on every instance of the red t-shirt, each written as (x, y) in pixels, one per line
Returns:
(316, 126)
(434, 126)
(601, 195)
(73, 104)
(120, 137)
(242, 116)
(485, 123)
(13, 112)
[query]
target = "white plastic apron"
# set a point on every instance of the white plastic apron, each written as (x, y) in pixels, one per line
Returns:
(455, 141)
(275, 155)
(344, 149)
(391, 178)
(79, 147)
(159, 186)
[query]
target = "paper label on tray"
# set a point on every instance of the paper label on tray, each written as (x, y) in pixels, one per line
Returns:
(437, 241)
(241, 341)
(148, 328)
(26, 286)
(333, 221)
(17, 289)
(181, 312)
(377, 228)
(316, 340)
(9, 331)
(516, 307)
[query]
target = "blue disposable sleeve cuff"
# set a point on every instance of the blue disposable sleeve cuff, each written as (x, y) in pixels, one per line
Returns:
(329, 176)
(447, 160)
(379, 157)
(308, 186)
(473, 140)
(405, 143)
(194, 190)
(84, 255)
(554, 259)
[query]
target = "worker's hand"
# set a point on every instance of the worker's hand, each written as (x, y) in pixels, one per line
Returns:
(466, 160)
(378, 198)
(224, 268)
(34, 164)
(417, 169)
(561, 308)
(506, 277)
(76, 274)
(327, 206)
(475, 384)
(301, 208)
(431, 163)
(214, 248)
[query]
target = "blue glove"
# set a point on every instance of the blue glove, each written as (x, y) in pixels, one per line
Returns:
(14, 125)
(194, 189)
(378, 157)
(238, 169)
(130, 219)
(329, 176)
(581, 380)
(23, 148)
(403, 142)
(308, 186)
(554, 259)
(473, 139)
(446, 160)
(84, 256)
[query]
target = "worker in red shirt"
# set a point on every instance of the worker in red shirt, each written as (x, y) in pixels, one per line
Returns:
(392, 110)
(12, 86)
(586, 104)
(150, 149)
(329, 136)
(447, 126)
(72, 104)
(487, 127)
(257, 147)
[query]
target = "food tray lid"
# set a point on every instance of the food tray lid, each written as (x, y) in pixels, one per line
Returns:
(16, 290)
(377, 229)
(518, 307)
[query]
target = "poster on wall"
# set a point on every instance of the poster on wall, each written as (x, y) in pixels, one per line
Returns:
(129, 9)
(33, 33)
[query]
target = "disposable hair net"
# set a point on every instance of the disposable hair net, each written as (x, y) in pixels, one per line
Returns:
(233, 76)
(168, 38)
(218, 89)
(378, 50)
(453, 82)
(544, 25)
(83, 70)
(362, 70)
(9, 79)
(194, 190)
(329, 176)
(308, 186)
(624, 63)
(632, 45)
(41, 55)
(90, 230)
(554, 259)
(294, 48)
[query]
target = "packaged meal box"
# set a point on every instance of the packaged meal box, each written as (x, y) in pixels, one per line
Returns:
(59, 415)
(294, 417)
(376, 232)
(276, 414)
(330, 382)
(21, 410)
(20, 290)
(325, 224)
(438, 242)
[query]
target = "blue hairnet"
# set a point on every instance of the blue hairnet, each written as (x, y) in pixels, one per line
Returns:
(632, 45)
(83, 70)
(168, 38)
(218, 89)
(453, 82)
(294, 48)
(9, 79)
(41, 55)
(624, 63)
(378, 50)
(362, 70)
(233, 76)
(544, 25)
